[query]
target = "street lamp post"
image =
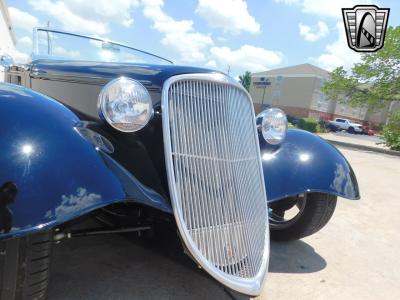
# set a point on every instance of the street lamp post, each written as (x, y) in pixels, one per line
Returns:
(266, 82)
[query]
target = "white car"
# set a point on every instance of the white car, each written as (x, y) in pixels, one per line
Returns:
(348, 125)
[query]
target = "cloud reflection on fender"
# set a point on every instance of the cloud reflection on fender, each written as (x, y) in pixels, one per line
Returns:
(73, 203)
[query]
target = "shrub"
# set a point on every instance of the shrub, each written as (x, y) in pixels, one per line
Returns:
(309, 124)
(391, 131)
(321, 129)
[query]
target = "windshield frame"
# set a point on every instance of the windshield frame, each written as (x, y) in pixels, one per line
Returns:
(45, 29)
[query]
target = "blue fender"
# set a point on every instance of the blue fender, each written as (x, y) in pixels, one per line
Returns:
(304, 163)
(49, 172)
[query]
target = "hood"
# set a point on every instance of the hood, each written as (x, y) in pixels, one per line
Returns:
(147, 74)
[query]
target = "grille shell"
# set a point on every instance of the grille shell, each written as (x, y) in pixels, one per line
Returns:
(215, 177)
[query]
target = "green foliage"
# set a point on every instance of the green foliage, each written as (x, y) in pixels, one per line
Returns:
(391, 131)
(245, 80)
(374, 81)
(320, 129)
(309, 124)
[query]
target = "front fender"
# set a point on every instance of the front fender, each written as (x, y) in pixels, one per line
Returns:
(304, 163)
(58, 174)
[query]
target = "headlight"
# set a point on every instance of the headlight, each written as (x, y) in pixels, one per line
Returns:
(272, 123)
(125, 104)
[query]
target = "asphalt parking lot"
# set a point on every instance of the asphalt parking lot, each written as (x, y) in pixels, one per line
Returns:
(356, 256)
(360, 137)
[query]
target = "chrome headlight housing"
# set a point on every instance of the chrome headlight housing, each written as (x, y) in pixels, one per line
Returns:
(273, 125)
(125, 104)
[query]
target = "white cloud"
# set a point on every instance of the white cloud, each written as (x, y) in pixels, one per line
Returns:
(118, 11)
(92, 17)
(337, 53)
(312, 35)
(230, 15)
(178, 35)
(326, 8)
(22, 20)
(127, 22)
(69, 20)
(287, 1)
(73, 203)
(211, 64)
(21, 57)
(247, 57)
(25, 42)
(62, 52)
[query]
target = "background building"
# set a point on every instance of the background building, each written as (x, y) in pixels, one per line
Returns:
(297, 90)
(7, 37)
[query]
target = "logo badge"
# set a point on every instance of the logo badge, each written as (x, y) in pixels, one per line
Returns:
(365, 27)
(230, 252)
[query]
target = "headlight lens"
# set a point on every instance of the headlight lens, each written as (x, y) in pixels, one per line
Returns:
(273, 125)
(125, 104)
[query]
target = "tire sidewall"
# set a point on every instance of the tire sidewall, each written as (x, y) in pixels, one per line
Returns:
(317, 212)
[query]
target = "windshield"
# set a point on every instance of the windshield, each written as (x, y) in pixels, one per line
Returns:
(62, 45)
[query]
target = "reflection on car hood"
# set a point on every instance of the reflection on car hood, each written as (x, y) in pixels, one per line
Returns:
(154, 74)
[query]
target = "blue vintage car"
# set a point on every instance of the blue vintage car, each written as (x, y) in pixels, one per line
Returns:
(93, 128)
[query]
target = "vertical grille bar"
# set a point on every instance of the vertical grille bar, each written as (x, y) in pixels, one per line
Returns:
(215, 177)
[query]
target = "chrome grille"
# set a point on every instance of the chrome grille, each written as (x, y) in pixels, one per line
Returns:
(215, 177)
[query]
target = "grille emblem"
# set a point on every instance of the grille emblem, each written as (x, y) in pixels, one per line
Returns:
(365, 27)
(230, 252)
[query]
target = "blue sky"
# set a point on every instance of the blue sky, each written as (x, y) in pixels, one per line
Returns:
(238, 35)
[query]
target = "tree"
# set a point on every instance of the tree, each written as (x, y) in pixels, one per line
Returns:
(245, 80)
(391, 131)
(374, 81)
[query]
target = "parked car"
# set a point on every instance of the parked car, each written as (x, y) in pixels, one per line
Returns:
(328, 126)
(366, 129)
(127, 138)
(348, 125)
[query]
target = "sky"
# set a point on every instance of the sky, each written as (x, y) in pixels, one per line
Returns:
(228, 35)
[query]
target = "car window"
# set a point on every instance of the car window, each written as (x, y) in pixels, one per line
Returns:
(340, 120)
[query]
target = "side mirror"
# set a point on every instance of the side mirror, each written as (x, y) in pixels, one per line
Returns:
(6, 60)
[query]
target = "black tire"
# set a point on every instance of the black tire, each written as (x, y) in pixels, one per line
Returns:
(351, 130)
(25, 267)
(316, 213)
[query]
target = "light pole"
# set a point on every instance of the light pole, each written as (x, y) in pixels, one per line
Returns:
(265, 83)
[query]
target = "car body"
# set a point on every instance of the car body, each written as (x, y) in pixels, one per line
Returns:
(198, 165)
(348, 125)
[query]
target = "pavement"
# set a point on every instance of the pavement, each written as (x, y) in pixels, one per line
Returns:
(356, 256)
(358, 141)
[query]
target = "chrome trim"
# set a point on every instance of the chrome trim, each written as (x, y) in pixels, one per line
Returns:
(245, 269)
(261, 115)
(36, 44)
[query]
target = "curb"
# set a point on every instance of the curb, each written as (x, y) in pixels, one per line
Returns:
(363, 147)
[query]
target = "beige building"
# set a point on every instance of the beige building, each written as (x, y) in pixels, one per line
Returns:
(297, 90)
(7, 37)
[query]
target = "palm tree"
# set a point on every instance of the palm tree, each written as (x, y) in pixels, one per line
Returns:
(245, 80)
